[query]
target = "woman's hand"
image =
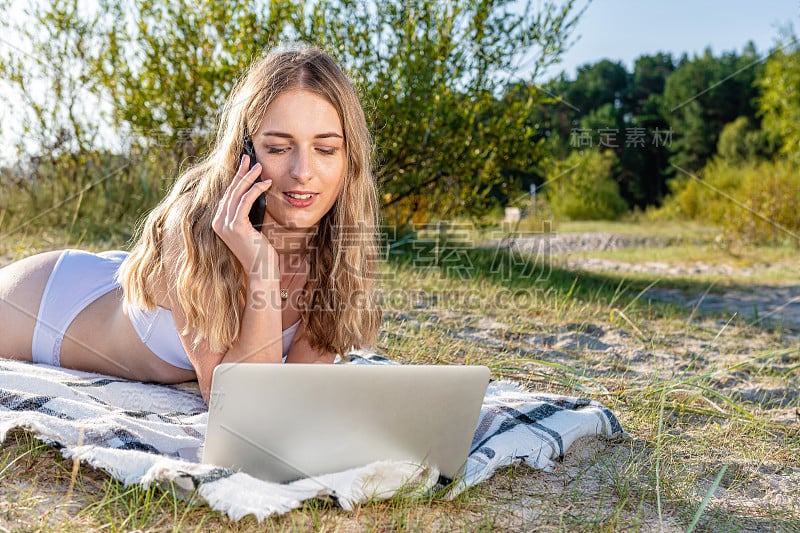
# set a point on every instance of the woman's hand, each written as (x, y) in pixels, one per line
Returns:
(255, 253)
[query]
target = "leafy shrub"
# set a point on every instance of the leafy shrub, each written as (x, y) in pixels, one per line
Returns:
(741, 141)
(770, 193)
(754, 201)
(698, 201)
(583, 188)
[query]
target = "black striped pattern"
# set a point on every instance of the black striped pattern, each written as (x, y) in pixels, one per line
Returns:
(125, 425)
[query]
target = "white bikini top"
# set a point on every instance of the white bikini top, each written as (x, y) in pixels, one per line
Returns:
(157, 331)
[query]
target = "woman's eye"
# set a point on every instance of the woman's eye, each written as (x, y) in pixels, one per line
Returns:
(275, 150)
(327, 151)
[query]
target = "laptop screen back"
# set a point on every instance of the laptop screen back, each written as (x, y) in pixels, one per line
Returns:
(285, 422)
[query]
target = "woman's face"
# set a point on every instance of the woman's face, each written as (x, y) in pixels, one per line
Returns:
(300, 145)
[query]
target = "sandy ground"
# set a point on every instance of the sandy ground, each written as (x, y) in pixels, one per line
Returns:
(758, 302)
(595, 476)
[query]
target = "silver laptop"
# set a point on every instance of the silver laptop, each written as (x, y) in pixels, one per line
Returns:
(284, 422)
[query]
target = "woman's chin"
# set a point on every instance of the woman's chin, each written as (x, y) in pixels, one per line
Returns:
(294, 223)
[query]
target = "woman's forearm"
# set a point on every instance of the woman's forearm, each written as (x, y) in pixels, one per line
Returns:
(260, 336)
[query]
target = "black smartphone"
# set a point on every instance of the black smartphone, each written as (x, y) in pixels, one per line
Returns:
(259, 208)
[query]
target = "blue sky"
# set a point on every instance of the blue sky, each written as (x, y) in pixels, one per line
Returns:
(626, 29)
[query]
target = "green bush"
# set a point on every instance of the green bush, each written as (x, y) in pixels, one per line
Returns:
(771, 194)
(753, 201)
(583, 188)
(699, 201)
(741, 141)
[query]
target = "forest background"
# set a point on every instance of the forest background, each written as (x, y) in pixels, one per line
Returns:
(117, 98)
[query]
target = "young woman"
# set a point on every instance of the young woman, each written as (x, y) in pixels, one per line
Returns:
(202, 286)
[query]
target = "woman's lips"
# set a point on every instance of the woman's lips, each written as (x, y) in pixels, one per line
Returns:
(300, 203)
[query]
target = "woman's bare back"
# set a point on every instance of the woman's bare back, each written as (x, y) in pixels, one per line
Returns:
(99, 339)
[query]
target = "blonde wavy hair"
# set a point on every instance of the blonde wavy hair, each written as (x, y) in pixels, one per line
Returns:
(339, 310)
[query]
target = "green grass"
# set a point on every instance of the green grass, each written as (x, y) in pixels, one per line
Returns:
(675, 385)
(679, 230)
(724, 266)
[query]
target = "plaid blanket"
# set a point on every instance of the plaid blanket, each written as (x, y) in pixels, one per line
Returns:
(149, 433)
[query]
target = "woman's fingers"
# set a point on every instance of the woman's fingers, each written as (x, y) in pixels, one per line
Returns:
(236, 219)
(244, 186)
(224, 208)
(249, 198)
(225, 217)
(246, 176)
(239, 185)
(232, 222)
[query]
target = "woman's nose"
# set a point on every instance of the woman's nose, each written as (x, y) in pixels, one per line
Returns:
(301, 166)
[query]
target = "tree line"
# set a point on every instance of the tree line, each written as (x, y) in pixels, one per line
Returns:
(710, 137)
(665, 111)
(460, 123)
